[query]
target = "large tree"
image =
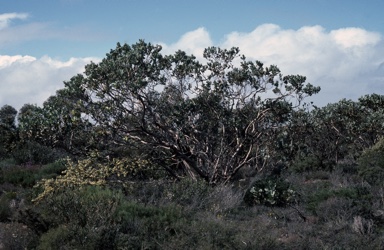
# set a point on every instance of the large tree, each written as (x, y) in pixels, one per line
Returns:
(206, 119)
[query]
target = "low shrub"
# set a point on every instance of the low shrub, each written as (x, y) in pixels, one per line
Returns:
(35, 153)
(53, 169)
(24, 176)
(80, 218)
(17, 236)
(270, 192)
(149, 226)
(190, 193)
(310, 163)
(5, 209)
(355, 200)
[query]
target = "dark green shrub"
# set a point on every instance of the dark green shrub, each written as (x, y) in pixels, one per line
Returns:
(310, 163)
(57, 238)
(88, 205)
(53, 169)
(85, 217)
(35, 153)
(189, 192)
(15, 236)
(359, 197)
(24, 176)
(371, 163)
(270, 192)
(5, 209)
(149, 226)
(8, 162)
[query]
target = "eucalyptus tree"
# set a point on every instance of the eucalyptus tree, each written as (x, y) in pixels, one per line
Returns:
(342, 130)
(206, 119)
(30, 119)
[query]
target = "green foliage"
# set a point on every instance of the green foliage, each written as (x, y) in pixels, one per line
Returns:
(371, 163)
(57, 238)
(303, 164)
(27, 175)
(20, 175)
(52, 169)
(270, 192)
(359, 200)
(138, 111)
(202, 120)
(187, 192)
(35, 153)
(5, 209)
(8, 132)
(340, 130)
(80, 218)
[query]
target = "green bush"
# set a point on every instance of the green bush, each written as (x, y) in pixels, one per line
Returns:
(189, 192)
(53, 169)
(5, 209)
(8, 162)
(270, 192)
(35, 153)
(57, 238)
(310, 163)
(24, 176)
(359, 197)
(371, 163)
(81, 218)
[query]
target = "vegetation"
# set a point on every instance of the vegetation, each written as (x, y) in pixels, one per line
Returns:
(152, 151)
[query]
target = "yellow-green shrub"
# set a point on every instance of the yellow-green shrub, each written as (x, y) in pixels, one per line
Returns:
(89, 172)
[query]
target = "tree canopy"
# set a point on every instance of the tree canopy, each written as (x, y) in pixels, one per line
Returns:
(204, 119)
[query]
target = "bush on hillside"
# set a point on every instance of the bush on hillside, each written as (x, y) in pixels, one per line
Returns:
(371, 163)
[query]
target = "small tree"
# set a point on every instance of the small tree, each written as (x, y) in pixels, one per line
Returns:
(8, 132)
(204, 120)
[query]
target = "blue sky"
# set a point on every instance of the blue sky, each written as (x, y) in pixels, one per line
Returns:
(337, 44)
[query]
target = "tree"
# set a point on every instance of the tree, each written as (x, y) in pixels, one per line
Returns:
(340, 131)
(8, 132)
(204, 120)
(30, 121)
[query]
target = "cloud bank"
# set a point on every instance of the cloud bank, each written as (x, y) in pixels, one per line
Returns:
(26, 79)
(345, 63)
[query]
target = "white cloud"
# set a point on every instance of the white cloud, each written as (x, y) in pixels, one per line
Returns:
(25, 79)
(354, 37)
(193, 42)
(340, 61)
(6, 18)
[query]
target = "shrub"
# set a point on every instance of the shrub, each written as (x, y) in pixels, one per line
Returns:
(270, 192)
(53, 169)
(35, 153)
(24, 176)
(17, 236)
(80, 218)
(5, 209)
(310, 163)
(191, 193)
(371, 163)
(90, 172)
(56, 238)
(329, 202)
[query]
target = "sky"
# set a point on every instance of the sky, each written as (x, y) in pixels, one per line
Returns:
(337, 44)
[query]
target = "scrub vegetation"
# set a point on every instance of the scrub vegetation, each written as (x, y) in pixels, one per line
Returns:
(152, 151)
